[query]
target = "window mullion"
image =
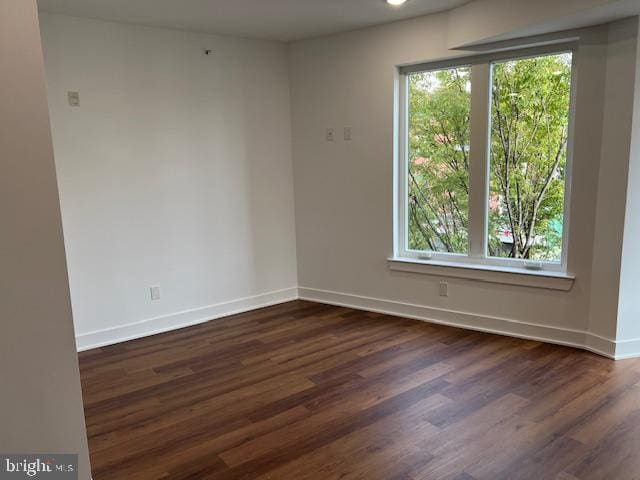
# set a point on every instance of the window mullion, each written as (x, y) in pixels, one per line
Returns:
(479, 159)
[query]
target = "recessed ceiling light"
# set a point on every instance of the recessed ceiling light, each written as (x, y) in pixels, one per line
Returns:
(395, 3)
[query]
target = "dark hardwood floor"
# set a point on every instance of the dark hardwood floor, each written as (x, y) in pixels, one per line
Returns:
(309, 391)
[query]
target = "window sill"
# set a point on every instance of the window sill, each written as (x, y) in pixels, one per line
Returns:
(486, 273)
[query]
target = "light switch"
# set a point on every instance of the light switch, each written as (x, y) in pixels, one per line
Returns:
(74, 98)
(347, 133)
(331, 134)
(155, 293)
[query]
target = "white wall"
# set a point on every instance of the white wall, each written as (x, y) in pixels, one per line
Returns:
(175, 171)
(344, 189)
(612, 181)
(629, 300)
(40, 399)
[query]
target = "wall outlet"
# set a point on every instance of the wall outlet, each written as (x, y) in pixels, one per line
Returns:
(155, 293)
(444, 289)
(74, 98)
(331, 134)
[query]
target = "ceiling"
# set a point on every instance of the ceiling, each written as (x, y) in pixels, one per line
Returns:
(284, 20)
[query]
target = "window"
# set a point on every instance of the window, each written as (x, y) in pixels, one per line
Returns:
(438, 168)
(529, 134)
(484, 160)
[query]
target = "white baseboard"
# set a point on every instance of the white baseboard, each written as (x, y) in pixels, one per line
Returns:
(482, 323)
(153, 326)
(628, 349)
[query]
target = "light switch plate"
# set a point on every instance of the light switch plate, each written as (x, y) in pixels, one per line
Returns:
(331, 134)
(347, 133)
(74, 98)
(155, 293)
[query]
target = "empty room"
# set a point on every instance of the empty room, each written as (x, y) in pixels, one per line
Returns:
(320, 239)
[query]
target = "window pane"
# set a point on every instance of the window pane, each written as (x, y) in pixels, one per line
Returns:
(529, 131)
(438, 170)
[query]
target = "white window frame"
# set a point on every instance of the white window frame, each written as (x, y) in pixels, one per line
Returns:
(480, 128)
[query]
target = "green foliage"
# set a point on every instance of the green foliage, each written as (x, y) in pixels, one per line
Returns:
(530, 110)
(439, 160)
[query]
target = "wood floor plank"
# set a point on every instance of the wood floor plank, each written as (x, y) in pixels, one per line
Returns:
(307, 391)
